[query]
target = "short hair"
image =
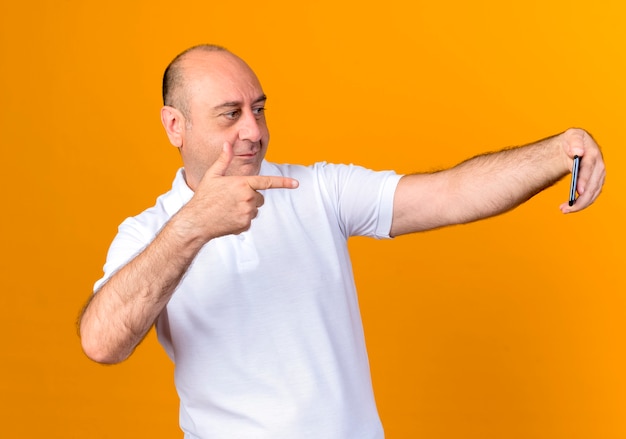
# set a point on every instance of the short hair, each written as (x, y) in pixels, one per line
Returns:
(174, 81)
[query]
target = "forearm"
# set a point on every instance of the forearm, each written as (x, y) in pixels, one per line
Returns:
(494, 183)
(123, 310)
(480, 187)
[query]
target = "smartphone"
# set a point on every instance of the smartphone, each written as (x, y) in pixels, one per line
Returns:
(572, 187)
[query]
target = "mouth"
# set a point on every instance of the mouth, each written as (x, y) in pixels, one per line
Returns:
(249, 154)
(247, 157)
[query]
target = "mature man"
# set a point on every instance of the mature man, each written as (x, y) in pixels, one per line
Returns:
(257, 306)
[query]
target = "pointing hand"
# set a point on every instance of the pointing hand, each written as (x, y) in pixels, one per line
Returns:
(224, 205)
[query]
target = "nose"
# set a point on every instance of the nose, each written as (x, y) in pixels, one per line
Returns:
(250, 127)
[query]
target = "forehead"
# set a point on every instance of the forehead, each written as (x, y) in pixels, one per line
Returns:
(216, 77)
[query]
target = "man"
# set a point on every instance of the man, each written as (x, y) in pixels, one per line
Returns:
(257, 306)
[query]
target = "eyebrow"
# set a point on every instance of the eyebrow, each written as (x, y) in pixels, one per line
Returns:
(232, 104)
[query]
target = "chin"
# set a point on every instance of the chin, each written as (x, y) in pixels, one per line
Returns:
(248, 169)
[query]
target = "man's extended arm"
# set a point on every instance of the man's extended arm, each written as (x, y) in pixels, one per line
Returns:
(122, 311)
(493, 183)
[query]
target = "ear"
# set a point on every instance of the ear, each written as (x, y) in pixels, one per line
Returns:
(174, 123)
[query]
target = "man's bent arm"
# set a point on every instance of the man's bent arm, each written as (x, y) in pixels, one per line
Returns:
(494, 183)
(123, 310)
(120, 314)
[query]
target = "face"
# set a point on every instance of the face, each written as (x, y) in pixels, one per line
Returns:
(225, 104)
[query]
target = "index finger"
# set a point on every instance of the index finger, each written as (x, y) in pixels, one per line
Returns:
(262, 182)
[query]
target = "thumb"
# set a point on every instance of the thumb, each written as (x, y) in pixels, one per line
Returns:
(219, 167)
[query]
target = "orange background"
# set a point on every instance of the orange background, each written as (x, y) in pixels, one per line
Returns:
(509, 328)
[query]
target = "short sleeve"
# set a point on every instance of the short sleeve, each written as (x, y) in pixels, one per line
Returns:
(364, 198)
(130, 240)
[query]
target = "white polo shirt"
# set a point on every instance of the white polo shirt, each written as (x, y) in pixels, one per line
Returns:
(264, 328)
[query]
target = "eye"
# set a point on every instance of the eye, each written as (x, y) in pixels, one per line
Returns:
(258, 112)
(232, 115)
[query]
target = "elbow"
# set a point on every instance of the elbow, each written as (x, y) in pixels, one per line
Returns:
(96, 353)
(96, 349)
(99, 355)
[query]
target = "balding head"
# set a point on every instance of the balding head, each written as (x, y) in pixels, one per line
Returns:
(174, 84)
